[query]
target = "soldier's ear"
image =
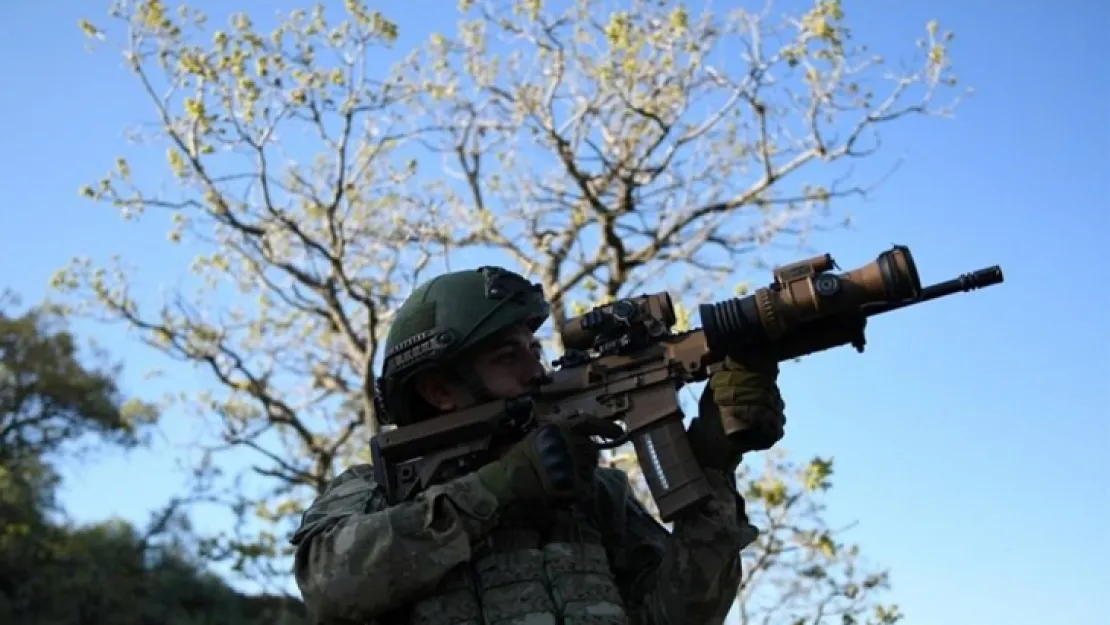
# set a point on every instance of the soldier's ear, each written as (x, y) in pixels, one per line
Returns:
(436, 389)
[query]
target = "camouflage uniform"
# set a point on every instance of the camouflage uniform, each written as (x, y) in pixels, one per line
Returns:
(455, 555)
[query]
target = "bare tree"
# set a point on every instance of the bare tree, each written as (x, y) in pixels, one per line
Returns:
(603, 151)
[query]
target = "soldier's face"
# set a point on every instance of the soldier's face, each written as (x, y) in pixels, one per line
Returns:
(511, 363)
(508, 365)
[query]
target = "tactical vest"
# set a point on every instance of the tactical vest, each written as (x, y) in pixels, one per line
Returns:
(558, 576)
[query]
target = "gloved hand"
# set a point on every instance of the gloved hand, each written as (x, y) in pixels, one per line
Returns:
(741, 410)
(554, 463)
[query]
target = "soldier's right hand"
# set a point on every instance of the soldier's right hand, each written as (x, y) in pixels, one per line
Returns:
(554, 463)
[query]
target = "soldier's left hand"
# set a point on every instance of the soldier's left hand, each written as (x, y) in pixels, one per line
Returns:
(742, 404)
(747, 395)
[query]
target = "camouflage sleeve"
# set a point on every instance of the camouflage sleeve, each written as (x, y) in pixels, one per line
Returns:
(689, 576)
(358, 558)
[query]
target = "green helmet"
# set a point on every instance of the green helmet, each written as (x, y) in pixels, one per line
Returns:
(445, 317)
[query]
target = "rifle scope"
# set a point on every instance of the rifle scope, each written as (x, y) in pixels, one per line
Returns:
(655, 312)
(787, 314)
(806, 291)
(806, 294)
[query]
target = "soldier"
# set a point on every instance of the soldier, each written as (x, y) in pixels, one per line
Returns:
(541, 534)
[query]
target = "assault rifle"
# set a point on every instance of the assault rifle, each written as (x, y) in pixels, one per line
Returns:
(624, 362)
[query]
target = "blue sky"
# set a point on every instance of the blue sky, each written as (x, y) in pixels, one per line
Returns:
(972, 440)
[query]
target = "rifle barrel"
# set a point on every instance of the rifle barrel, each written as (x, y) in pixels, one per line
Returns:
(971, 281)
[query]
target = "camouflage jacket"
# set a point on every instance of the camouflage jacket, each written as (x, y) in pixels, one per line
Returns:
(359, 560)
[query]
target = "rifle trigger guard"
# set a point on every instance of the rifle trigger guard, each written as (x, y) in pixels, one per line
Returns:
(616, 442)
